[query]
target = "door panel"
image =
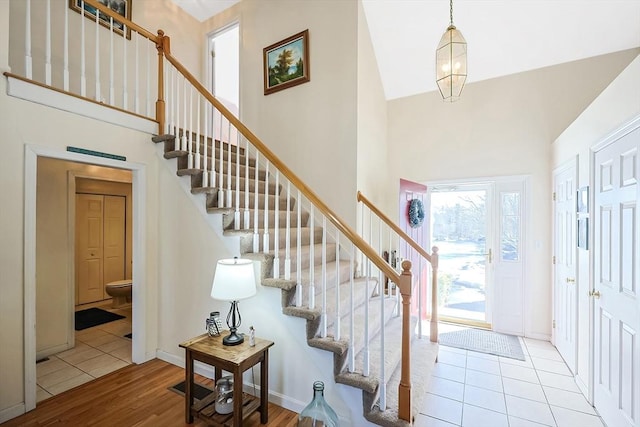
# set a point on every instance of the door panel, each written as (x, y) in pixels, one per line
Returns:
(89, 248)
(565, 292)
(616, 263)
(114, 238)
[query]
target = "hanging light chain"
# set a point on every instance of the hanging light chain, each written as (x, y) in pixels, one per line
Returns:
(451, 12)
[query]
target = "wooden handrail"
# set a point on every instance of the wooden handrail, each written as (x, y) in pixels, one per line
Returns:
(358, 241)
(116, 17)
(394, 226)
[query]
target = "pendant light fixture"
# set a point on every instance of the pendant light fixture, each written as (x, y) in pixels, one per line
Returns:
(451, 61)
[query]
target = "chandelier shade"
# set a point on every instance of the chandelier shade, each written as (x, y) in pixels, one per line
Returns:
(451, 62)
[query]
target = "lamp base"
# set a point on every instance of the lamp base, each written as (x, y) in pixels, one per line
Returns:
(233, 339)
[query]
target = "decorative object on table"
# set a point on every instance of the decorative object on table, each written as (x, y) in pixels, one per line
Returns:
(451, 61)
(252, 337)
(416, 213)
(224, 397)
(233, 280)
(121, 7)
(286, 63)
(213, 324)
(318, 412)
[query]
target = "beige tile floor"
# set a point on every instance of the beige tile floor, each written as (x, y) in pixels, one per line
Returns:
(472, 389)
(98, 351)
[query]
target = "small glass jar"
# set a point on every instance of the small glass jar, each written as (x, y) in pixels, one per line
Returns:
(318, 413)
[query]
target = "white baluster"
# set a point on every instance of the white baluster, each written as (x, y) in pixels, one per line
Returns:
(221, 168)
(125, 89)
(197, 141)
(183, 145)
(47, 55)
(324, 277)
(189, 130)
(256, 191)
(383, 388)
(236, 214)
(148, 79)
(312, 286)
(265, 239)
(229, 193)
(28, 61)
(276, 232)
(205, 158)
(98, 93)
(177, 144)
(112, 91)
(172, 105)
(336, 333)
(367, 356)
(352, 356)
(421, 285)
(65, 60)
(298, 250)
(287, 251)
(136, 90)
(247, 214)
(83, 68)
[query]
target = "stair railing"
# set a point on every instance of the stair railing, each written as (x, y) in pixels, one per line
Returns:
(204, 130)
(391, 236)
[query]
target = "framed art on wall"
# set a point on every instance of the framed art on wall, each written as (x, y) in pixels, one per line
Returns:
(121, 7)
(286, 63)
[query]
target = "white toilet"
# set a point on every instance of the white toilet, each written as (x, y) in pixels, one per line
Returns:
(120, 291)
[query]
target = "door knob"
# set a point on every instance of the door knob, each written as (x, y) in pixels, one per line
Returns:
(571, 280)
(594, 294)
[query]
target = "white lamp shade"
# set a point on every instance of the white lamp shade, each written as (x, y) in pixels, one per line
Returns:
(233, 280)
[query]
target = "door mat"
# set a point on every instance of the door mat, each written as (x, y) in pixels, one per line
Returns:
(484, 341)
(129, 335)
(199, 391)
(94, 317)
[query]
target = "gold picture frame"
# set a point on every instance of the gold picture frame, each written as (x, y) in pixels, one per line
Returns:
(121, 7)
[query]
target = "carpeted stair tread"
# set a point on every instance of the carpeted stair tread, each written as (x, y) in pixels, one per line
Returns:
(423, 358)
(228, 220)
(212, 200)
(246, 238)
(169, 143)
(262, 174)
(197, 188)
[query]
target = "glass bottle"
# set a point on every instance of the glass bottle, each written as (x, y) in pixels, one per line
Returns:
(318, 413)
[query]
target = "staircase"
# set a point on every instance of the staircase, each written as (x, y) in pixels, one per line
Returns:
(356, 361)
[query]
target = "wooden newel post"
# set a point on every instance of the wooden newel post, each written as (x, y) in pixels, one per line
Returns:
(433, 333)
(162, 45)
(404, 389)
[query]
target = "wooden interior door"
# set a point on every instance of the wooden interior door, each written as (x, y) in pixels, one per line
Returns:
(89, 248)
(616, 297)
(114, 239)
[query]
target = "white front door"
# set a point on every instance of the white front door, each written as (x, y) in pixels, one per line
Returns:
(616, 267)
(564, 252)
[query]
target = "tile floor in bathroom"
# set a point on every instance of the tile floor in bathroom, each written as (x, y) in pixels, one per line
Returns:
(98, 351)
(471, 389)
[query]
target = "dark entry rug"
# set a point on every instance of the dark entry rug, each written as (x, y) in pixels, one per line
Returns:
(484, 342)
(94, 317)
(199, 391)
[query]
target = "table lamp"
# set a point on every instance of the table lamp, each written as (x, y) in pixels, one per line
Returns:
(233, 280)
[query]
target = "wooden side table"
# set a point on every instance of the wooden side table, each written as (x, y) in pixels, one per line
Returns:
(234, 359)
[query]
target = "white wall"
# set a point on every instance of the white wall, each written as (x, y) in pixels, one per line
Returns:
(615, 106)
(313, 123)
(500, 127)
(372, 172)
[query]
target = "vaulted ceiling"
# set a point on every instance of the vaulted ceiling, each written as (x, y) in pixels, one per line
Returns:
(503, 36)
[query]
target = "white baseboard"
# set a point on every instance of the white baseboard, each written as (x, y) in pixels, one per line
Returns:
(536, 336)
(52, 350)
(205, 370)
(12, 412)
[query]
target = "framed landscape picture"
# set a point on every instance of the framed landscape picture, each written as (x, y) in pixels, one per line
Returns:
(286, 63)
(121, 7)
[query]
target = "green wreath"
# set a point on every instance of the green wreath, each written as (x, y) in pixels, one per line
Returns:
(416, 213)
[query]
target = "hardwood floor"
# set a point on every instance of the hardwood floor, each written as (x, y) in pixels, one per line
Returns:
(137, 395)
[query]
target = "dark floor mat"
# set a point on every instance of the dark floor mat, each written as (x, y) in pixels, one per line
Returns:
(94, 317)
(199, 391)
(129, 335)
